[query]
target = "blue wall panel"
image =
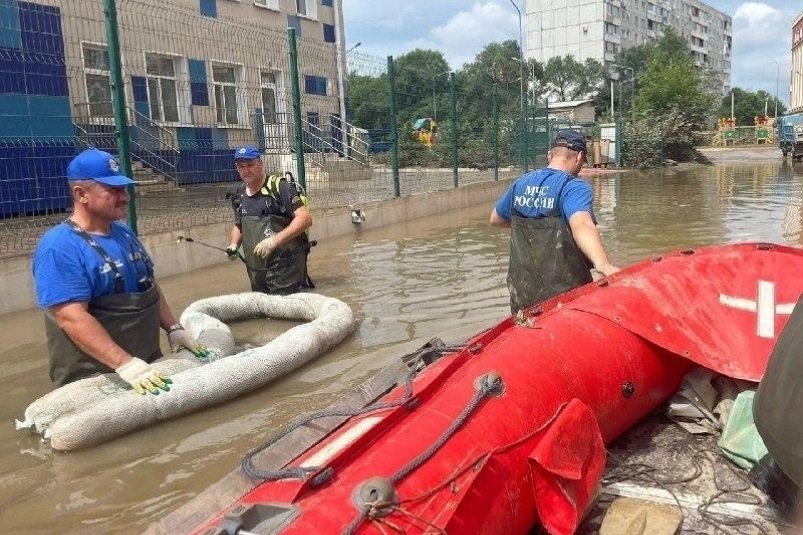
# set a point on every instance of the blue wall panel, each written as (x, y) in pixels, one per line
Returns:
(41, 29)
(10, 34)
(35, 110)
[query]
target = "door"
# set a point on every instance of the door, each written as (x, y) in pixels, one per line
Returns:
(274, 116)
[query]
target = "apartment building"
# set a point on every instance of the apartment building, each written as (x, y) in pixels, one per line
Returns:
(200, 76)
(599, 29)
(796, 87)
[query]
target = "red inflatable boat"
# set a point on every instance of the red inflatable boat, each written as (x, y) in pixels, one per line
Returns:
(509, 431)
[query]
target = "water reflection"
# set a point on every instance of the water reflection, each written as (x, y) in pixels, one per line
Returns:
(406, 283)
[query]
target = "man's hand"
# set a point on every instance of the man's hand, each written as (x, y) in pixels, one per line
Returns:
(143, 378)
(179, 338)
(265, 247)
(607, 269)
(232, 251)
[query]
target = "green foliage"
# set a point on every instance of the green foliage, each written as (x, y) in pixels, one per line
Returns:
(747, 105)
(672, 101)
(568, 79)
(649, 141)
(368, 101)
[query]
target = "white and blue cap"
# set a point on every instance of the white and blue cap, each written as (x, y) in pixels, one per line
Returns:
(249, 152)
(97, 165)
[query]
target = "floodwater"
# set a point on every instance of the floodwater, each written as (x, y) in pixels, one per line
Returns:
(440, 276)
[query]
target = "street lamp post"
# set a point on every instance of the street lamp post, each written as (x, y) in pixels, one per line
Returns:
(434, 102)
(521, 89)
(352, 48)
(632, 89)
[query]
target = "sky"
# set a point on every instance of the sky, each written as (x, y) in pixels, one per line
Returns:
(762, 33)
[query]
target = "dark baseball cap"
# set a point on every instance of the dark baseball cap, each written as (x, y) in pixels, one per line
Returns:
(572, 140)
(97, 165)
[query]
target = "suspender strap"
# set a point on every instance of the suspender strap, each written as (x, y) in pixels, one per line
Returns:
(119, 281)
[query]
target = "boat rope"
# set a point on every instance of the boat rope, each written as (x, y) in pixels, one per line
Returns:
(734, 494)
(302, 473)
(488, 386)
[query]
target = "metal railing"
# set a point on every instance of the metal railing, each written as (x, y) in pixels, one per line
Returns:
(153, 145)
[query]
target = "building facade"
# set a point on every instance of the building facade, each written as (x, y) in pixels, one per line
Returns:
(796, 87)
(200, 76)
(600, 29)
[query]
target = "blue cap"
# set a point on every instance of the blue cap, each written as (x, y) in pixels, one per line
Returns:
(572, 140)
(249, 152)
(97, 165)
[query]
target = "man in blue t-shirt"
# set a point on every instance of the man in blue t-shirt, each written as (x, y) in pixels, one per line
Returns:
(103, 308)
(554, 240)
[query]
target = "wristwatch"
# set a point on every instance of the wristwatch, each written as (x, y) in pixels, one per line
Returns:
(175, 327)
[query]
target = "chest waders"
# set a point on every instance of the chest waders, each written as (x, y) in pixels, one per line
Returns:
(284, 271)
(544, 258)
(131, 319)
(777, 408)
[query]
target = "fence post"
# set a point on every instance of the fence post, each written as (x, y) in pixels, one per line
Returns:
(496, 132)
(301, 170)
(525, 113)
(118, 102)
(455, 133)
(394, 130)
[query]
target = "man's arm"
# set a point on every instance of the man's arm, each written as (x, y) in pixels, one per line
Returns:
(302, 220)
(235, 237)
(588, 239)
(88, 334)
(166, 317)
(499, 221)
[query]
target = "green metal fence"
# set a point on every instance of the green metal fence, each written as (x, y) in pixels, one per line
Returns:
(192, 81)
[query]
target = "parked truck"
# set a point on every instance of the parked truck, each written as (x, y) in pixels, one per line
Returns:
(790, 134)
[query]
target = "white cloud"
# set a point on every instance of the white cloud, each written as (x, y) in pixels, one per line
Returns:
(756, 24)
(466, 33)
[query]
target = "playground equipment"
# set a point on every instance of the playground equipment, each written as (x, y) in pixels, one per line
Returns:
(426, 131)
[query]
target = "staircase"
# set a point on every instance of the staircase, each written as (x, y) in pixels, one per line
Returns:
(151, 182)
(153, 148)
(333, 152)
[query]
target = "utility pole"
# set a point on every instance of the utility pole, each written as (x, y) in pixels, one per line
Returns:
(732, 117)
(777, 79)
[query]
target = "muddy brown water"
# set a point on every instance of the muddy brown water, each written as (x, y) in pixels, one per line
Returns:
(406, 283)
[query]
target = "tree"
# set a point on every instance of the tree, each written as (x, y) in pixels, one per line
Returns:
(747, 105)
(368, 101)
(672, 96)
(567, 79)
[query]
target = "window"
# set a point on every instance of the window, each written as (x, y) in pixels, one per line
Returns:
(268, 79)
(97, 78)
(307, 8)
(162, 92)
(315, 85)
(327, 3)
(224, 78)
(270, 4)
(328, 33)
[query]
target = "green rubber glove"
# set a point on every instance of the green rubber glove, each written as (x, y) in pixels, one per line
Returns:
(143, 377)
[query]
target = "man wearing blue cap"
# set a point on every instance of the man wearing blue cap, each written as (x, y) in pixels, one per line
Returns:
(95, 282)
(270, 222)
(554, 241)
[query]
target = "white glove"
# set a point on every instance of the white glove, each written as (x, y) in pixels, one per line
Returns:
(143, 378)
(265, 247)
(178, 338)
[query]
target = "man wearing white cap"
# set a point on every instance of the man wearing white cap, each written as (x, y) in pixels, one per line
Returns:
(103, 308)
